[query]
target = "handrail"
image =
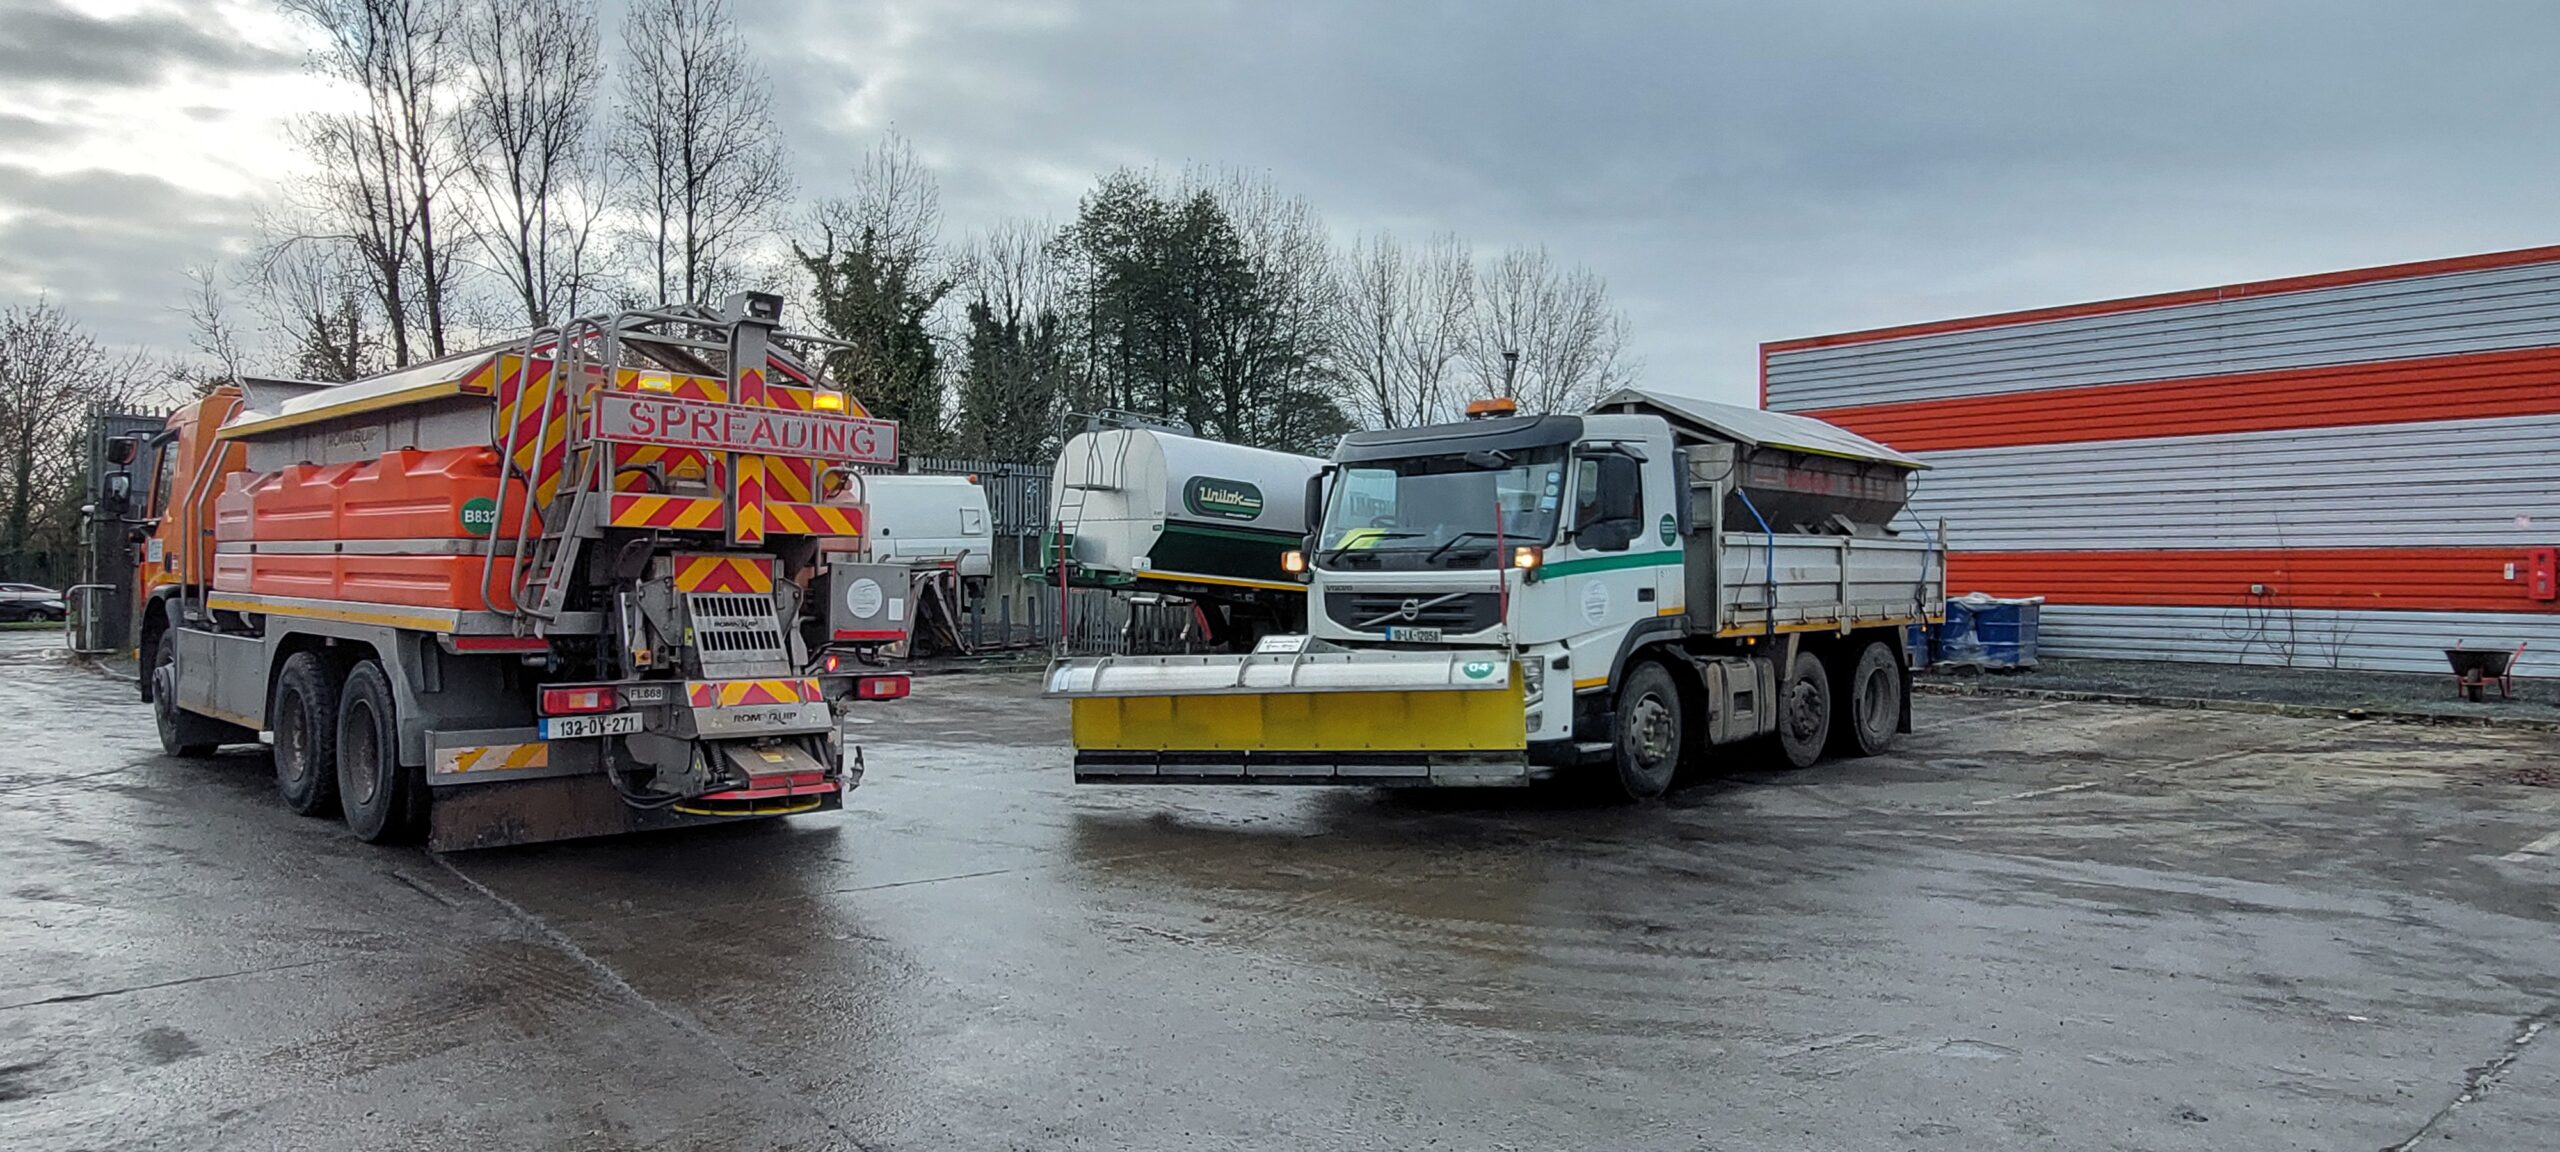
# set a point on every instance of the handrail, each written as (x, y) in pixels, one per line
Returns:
(73, 617)
(507, 461)
(190, 525)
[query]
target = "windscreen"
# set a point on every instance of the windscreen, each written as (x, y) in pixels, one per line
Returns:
(1440, 511)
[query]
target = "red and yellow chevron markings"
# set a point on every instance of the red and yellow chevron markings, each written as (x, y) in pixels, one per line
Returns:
(735, 693)
(746, 494)
(495, 758)
(642, 510)
(536, 412)
(812, 519)
(743, 574)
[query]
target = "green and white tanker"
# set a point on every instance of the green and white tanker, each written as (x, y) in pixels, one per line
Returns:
(1150, 510)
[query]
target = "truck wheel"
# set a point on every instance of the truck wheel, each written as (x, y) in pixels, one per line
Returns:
(382, 800)
(1649, 733)
(182, 734)
(1804, 711)
(1870, 703)
(305, 715)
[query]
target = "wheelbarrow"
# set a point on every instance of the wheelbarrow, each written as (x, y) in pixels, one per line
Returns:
(2474, 669)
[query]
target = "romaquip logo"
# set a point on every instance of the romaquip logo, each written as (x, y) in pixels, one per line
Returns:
(1222, 499)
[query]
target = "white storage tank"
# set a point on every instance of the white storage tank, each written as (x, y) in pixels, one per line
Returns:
(1138, 506)
(907, 519)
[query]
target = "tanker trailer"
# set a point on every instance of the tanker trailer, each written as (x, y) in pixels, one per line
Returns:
(1150, 511)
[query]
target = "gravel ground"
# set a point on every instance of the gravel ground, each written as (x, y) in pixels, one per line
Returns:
(2321, 688)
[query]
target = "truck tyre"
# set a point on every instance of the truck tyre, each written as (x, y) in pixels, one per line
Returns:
(182, 734)
(383, 801)
(1649, 731)
(1804, 711)
(305, 716)
(1869, 703)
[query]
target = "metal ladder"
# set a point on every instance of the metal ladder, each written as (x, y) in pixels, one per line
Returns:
(538, 589)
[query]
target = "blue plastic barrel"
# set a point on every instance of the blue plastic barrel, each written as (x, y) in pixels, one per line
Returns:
(1990, 633)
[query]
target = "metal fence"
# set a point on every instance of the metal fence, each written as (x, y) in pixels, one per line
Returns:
(1020, 608)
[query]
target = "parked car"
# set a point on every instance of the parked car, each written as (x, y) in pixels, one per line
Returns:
(30, 602)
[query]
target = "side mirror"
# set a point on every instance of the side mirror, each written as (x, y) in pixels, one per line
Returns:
(119, 486)
(124, 450)
(1315, 501)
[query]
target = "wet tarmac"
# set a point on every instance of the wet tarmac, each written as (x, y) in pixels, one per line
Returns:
(2037, 925)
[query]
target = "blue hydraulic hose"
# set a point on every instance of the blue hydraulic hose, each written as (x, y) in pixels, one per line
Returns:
(1770, 558)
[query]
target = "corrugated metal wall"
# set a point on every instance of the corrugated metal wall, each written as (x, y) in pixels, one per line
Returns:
(2351, 470)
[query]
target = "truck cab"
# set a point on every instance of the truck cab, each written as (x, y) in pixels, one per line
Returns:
(1552, 538)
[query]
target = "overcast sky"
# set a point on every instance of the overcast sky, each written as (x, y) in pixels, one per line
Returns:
(1737, 172)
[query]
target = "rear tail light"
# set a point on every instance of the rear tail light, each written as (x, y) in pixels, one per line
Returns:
(577, 701)
(881, 688)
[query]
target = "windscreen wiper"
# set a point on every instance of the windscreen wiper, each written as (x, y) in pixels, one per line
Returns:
(1454, 541)
(1339, 549)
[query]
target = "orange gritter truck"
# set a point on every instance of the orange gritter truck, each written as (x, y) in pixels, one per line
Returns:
(565, 586)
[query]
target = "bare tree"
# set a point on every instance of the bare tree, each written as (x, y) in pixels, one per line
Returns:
(1558, 322)
(1014, 268)
(1406, 322)
(315, 295)
(211, 332)
(52, 373)
(380, 171)
(1013, 380)
(703, 167)
(895, 200)
(1272, 356)
(532, 72)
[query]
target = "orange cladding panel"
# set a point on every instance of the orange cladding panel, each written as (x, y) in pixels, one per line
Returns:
(2510, 259)
(428, 495)
(301, 503)
(2409, 579)
(422, 581)
(409, 581)
(310, 577)
(2463, 387)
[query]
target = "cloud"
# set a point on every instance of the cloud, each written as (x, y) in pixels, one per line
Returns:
(113, 247)
(1739, 172)
(17, 131)
(1742, 171)
(44, 41)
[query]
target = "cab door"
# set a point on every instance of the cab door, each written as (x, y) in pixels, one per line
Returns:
(1610, 578)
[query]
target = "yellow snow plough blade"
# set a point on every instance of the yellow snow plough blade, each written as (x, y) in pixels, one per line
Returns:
(1331, 718)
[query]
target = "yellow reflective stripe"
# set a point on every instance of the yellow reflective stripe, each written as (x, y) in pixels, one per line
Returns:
(236, 603)
(1194, 578)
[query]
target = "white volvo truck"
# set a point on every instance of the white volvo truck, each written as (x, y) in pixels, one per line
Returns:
(1513, 598)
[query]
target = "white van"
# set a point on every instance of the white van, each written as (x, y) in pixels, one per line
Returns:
(933, 518)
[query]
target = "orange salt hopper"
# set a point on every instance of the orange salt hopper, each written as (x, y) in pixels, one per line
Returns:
(558, 587)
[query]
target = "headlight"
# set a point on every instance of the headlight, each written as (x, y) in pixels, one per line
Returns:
(1533, 677)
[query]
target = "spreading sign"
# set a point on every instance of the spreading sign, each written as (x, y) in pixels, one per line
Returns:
(642, 418)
